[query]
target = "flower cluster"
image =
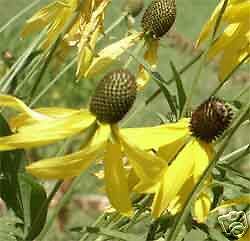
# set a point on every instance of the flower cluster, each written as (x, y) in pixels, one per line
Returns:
(165, 161)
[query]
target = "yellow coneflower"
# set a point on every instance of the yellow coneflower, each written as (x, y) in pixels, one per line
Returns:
(233, 44)
(83, 33)
(187, 148)
(113, 98)
(156, 22)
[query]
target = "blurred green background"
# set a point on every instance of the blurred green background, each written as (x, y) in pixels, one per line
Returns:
(176, 47)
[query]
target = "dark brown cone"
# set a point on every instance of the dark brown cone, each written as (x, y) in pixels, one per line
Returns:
(159, 17)
(210, 119)
(114, 96)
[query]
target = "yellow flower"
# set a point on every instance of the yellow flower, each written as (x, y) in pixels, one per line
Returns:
(114, 96)
(233, 44)
(187, 149)
(83, 33)
(156, 22)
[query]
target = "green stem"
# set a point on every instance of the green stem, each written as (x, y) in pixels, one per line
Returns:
(72, 62)
(20, 14)
(184, 213)
(239, 153)
(198, 74)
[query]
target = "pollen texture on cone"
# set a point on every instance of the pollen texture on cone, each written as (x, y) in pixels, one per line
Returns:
(159, 17)
(210, 119)
(114, 96)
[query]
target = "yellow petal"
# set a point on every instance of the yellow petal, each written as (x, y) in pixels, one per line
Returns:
(203, 155)
(115, 179)
(110, 53)
(11, 101)
(147, 138)
(179, 201)
(151, 57)
(201, 208)
(89, 36)
(233, 202)
(209, 26)
(47, 131)
(66, 166)
(51, 112)
(174, 178)
(148, 167)
(169, 151)
(238, 13)
(43, 17)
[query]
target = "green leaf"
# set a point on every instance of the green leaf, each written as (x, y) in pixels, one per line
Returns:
(35, 205)
(9, 230)
(10, 165)
(182, 97)
(115, 234)
(158, 79)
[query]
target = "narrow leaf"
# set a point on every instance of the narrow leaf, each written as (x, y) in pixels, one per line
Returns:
(182, 97)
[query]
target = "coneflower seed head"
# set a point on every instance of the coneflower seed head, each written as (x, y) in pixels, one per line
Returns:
(210, 119)
(159, 17)
(114, 96)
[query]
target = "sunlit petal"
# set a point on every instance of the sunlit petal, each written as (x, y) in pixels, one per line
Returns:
(147, 138)
(115, 179)
(13, 102)
(174, 178)
(110, 53)
(66, 166)
(47, 131)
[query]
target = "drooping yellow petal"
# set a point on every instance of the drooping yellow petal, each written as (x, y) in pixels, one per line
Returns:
(147, 138)
(151, 57)
(66, 166)
(147, 166)
(89, 36)
(203, 155)
(47, 131)
(51, 112)
(43, 17)
(178, 202)
(246, 236)
(239, 12)
(209, 26)
(174, 178)
(231, 59)
(202, 207)
(110, 53)
(115, 179)
(13, 102)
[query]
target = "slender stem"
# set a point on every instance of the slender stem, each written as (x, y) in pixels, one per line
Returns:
(198, 74)
(182, 71)
(20, 14)
(73, 61)
(179, 222)
(239, 153)
(65, 199)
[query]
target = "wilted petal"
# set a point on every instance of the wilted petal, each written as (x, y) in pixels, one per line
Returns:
(115, 179)
(151, 57)
(110, 53)
(66, 166)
